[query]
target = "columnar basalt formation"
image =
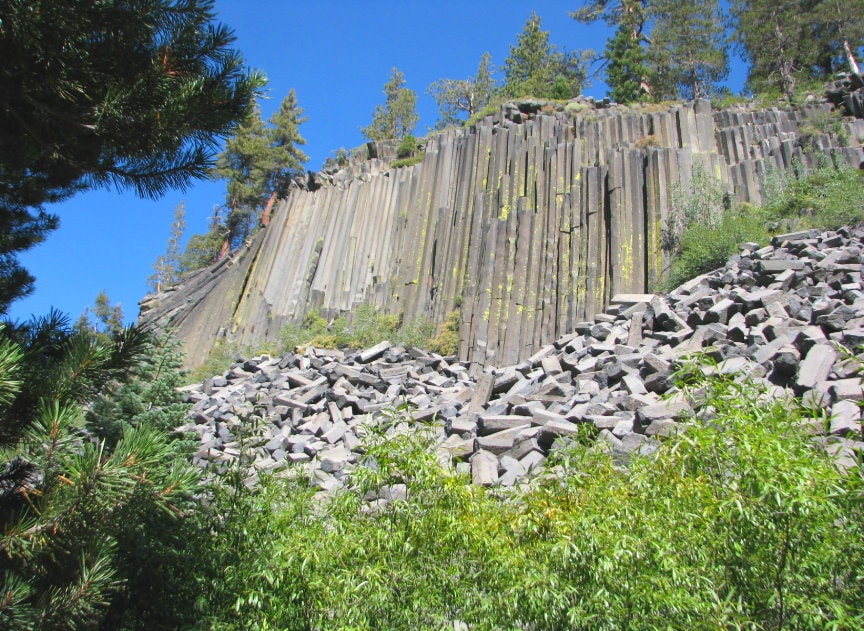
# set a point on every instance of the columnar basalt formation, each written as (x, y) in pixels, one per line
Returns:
(528, 222)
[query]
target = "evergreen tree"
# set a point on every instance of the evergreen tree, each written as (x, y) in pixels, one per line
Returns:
(839, 35)
(776, 38)
(459, 99)
(167, 266)
(64, 498)
(627, 71)
(688, 48)
(285, 140)
(133, 95)
(203, 249)
(398, 116)
(246, 164)
(108, 319)
(258, 163)
(536, 68)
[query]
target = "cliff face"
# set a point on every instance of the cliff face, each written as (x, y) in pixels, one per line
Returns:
(528, 222)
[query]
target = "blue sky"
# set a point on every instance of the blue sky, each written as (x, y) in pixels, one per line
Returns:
(337, 55)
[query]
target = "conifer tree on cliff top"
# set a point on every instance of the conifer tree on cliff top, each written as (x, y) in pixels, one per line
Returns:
(398, 116)
(537, 68)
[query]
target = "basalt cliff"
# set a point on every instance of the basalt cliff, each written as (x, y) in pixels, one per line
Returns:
(527, 222)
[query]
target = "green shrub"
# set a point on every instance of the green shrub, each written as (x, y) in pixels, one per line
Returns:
(829, 197)
(706, 247)
(296, 334)
(408, 162)
(701, 202)
(416, 333)
(738, 523)
(407, 146)
(821, 121)
(447, 340)
(480, 114)
(220, 358)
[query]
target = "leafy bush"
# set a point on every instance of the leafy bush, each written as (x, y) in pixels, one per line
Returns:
(296, 334)
(704, 247)
(739, 522)
(416, 333)
(366, 327)
(829, 197)
(220, 358)
(407, 146)
(408, 162)
(701, 202)
(447, 340)
(821, 121)
(701, 233)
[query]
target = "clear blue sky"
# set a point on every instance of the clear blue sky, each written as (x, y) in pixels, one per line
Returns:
(337, 55)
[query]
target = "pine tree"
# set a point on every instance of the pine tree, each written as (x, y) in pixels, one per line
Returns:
(776, 39)
(536, 68)
(132, 95)
(627, 71)
(203, 249)
(64, 498)
(838, 30)
(459, 99)
(398, 116)
(246, 164)
(285, 140)
(167, 266)
(258, 163)
(688, 48)
(627, 68)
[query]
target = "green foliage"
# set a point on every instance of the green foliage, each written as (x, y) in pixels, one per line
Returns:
(701, 233)
(461, 99)
(135, 96)
(108, 319)
(688, 50)
(488, 110)
(258, 164)
(285, 142)
(795, 41)
(703, 229)
(699, 201)
(148, 399)
(166, 269)
(739, 522)
(627, 69)
(359, 329)
(407, 146)
(69, 501)
(447, 340)
(220, 358)
(408, 162)
(245, 164)
(705, 247)
(202, 250)
(398, 116)
(823, 121)
(536, 68)
(829, 197)
(339, 159)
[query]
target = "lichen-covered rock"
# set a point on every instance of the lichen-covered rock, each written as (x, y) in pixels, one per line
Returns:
(530, 226)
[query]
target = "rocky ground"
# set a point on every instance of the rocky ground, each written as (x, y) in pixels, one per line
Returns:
(790, 314)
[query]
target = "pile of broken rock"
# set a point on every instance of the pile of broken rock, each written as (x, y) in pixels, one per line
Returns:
(790, 314)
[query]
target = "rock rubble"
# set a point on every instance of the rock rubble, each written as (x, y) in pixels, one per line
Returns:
(790, 315)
